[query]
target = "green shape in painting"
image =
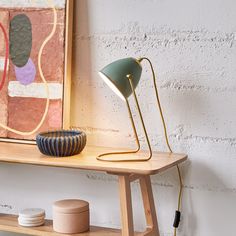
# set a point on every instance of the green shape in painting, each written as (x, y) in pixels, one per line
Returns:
(20, 36)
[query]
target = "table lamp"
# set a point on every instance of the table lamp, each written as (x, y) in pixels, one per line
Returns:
(123, 76)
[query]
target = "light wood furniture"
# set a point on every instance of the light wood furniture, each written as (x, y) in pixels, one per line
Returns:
(68, 63)
(126, 172)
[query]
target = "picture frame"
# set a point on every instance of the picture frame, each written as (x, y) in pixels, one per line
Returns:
(58, 113)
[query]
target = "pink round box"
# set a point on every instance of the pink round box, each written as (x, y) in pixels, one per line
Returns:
(71, 216)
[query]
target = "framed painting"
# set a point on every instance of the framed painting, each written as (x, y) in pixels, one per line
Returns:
(35, 67)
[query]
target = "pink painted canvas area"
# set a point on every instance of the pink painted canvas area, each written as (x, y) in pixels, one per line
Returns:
(22, 104)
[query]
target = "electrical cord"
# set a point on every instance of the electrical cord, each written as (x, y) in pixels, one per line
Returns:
(177, 213)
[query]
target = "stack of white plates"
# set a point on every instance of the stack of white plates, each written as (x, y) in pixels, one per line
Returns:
(31, 217)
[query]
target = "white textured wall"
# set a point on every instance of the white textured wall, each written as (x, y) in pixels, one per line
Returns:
(193, 48)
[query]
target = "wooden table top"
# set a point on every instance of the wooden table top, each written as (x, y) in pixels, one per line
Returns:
(29, 154)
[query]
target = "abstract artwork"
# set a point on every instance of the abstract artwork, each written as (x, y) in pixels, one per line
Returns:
(33, 51)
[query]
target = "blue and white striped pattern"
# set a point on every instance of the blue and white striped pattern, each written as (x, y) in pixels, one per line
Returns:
(61, 143)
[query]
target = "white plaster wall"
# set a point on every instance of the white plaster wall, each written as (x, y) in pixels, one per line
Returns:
(193, 48)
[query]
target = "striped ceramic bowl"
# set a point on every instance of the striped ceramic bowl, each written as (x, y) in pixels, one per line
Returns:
(61, 143)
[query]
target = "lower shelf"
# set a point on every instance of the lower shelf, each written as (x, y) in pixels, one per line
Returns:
(9, 223)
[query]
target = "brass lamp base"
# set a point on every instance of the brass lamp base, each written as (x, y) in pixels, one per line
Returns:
(135, 133)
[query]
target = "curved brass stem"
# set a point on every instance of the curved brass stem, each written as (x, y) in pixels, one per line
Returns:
(124, 152)
(133, 126)
(141, 117)
(158, 101)
(135, 132)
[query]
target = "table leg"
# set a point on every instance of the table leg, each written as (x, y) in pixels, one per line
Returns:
(126, 206)
(149, 206)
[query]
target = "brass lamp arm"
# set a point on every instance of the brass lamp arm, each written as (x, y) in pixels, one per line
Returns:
(158, 100)
(141, 117)
(100, 157)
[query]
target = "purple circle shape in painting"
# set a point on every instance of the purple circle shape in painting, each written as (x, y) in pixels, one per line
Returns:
(26, 74)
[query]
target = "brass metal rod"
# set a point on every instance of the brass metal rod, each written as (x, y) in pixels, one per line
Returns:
(140, 115)
(158, 101)
(124, 152)
(133, 126)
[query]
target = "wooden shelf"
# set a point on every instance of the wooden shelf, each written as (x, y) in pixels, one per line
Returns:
(29, 154)
(126, 172)
(9, 223)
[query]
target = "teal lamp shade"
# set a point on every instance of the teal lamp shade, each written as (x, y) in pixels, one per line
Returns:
(115, 76)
